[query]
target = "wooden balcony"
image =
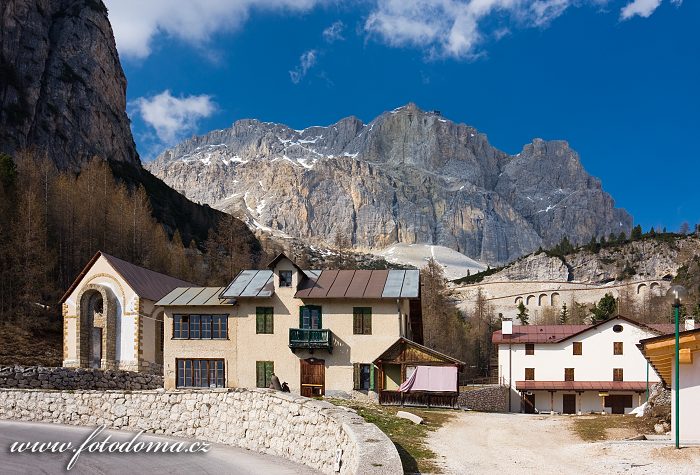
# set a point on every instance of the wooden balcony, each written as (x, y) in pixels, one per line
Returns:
(308, 339)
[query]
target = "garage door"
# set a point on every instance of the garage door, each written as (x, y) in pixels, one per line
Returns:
(618, 402)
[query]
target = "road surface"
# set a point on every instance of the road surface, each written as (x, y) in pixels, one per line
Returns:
(220, 459)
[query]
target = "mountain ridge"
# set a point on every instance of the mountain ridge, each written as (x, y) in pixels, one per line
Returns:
(408, 176)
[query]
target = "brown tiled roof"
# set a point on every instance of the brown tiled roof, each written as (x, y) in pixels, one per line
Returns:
(581, 385)
(146, 283)
(558, 333)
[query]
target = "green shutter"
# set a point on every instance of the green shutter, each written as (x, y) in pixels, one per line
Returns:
(367, 321)
(260, 374)
(259, 324)
(371, 377)
(269, 369)
(269, 321)
(356, 376)
(356, 321)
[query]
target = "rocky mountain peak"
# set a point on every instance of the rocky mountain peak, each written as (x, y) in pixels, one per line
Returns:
(408, 176)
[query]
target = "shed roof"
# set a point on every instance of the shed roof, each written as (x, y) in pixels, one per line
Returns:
(398, 347)
(558, 333)
(250, 283)
(146, 283)
(660, 350)
(199, 296)
(581, 386)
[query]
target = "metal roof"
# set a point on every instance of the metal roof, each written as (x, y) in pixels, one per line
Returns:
(250, 283)
(374, 284)
(559, 333)
(146, 283)
(581, 385)
(202, 296)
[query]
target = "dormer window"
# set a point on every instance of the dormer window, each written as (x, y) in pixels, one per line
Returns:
(285, 278)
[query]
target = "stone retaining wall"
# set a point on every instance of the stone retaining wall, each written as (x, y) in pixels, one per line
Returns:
(485, 399)
(39, 377)
(299, 429)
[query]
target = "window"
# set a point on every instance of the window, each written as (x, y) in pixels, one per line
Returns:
(362, 320)
(529, 348)
(529, 374)
(578, 348)
(263, 373)
(264, 322)
(285, 278)
(200, 327)
(617, 348)
(617, 328)
(363, 376)
(310, 317)
(617, 374)
(200, 373)
(568, 374)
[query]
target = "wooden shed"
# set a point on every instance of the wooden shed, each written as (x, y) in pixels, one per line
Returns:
(400, 361)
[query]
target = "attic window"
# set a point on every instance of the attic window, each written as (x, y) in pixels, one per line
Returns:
(617, 328)
(285, 278)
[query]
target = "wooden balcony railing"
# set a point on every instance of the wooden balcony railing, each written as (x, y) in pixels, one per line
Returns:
(310, 339)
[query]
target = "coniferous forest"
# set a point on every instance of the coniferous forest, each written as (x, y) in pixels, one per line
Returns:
(52, 222)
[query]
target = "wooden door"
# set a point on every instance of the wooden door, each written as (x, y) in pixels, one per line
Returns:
(313, 377)
(528, 403)
(569, 404)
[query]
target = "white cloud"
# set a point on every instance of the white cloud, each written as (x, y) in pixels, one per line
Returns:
(642, 8)
(457, 28)
(306, 61)
(334, 32)
(172, 117)
(137, 22)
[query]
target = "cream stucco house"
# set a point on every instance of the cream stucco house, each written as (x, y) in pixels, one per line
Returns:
(110, 319)
(574, 369)
(319, 331)
(660, 351)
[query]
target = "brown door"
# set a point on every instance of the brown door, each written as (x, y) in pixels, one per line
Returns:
(618, 402)
(528, 403)
(313, 377)
(569, 404)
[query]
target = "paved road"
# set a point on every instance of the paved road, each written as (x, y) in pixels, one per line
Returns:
(220, 459)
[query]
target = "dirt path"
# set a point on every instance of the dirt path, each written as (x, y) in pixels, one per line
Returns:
(503, 444)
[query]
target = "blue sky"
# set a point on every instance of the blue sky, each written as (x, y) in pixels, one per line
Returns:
(617, 79)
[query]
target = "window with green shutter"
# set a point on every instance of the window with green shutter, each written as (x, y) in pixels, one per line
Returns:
(363, 376)
(310, 317)
(264, 320)
(362, 320)
(263, 373)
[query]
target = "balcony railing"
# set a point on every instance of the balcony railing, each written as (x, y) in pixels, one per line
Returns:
(310, 339)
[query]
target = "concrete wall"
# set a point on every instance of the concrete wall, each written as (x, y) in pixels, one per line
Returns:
(595, 364)
(689, 397)
(296, 428)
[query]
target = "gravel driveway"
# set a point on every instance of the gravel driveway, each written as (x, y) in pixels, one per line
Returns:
(475, 442)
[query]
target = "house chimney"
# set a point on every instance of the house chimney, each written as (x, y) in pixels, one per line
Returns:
(506, 325)
(689, 323)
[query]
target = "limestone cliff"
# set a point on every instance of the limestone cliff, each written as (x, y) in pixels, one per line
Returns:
(409, 176)
(62, 88)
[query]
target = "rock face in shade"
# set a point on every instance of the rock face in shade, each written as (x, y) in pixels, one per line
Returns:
(409, 176)
(62, 88)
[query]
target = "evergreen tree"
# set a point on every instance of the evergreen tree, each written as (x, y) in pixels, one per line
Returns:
(636, 233)
(622, 237)
(564, 314)
(604, 309)
(592, 245)
(523, 314)
(652, 232)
